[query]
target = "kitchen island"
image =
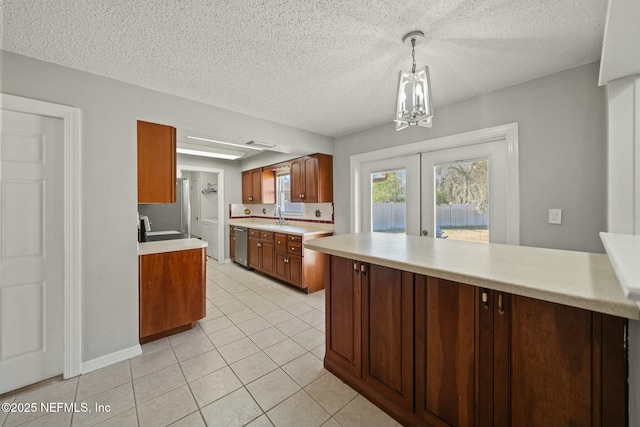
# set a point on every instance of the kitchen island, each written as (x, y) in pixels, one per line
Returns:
(440, 332)
(172, 286)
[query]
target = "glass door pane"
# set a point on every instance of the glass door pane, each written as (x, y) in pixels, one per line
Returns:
(390, 191)
(462, 200)
(389, 201)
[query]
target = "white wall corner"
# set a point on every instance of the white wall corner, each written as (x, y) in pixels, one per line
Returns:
(111, 358)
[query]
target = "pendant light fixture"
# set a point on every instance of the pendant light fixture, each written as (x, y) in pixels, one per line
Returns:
(414, 106)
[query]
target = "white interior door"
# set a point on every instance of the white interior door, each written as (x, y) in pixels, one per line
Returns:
(495, 155)
(194, 199)
(396, 207)
(31, 249)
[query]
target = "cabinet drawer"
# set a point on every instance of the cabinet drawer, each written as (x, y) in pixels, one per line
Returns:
(294, 248)
(294, 239)
(266, 235)
(254, 233)
(281, 242)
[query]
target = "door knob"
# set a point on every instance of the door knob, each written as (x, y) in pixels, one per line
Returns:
(424, 232)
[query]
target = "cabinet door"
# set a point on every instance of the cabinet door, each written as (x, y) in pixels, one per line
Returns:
(445, 351)
(256, 185)
(297, 180)
(267, 257)
(310, 193)
(247, 187)
(254, 253)
(172, 290)
(557, 372)
(295, 270)
(281, 269)
(344, 317)
(387, 332)
(156, 163)
(232, 244)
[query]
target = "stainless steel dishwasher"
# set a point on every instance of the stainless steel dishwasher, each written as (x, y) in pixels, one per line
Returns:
(241, 243)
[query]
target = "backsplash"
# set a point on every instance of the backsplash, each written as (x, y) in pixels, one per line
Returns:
(313, 212)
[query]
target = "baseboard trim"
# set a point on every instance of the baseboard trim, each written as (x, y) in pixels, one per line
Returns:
(111, 358)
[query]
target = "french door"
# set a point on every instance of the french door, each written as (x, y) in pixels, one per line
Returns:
(464, 193)
(459, 193)
(391, 195)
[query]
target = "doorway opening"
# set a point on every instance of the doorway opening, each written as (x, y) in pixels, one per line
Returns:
(207, 207)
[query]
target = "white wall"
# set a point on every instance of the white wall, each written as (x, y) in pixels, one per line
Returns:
(562, 142)
(109, 113)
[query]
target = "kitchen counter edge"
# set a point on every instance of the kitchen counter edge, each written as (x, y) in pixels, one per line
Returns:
(149, 248)
(577, 279)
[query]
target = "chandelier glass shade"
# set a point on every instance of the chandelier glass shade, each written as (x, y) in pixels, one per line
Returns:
(414, 105)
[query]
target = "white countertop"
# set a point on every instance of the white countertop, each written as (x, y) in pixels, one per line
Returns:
(624, 254)
(284, 228)
(577, 279)
(148, 248)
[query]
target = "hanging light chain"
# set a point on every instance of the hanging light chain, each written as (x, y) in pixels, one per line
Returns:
(413, 55)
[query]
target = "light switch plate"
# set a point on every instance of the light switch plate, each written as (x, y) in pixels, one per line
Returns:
(555, 216)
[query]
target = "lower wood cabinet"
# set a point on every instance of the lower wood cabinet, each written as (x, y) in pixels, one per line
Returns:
(172, 292)
(232, 243)
(261, 251)
(440, 353)
(284, 257)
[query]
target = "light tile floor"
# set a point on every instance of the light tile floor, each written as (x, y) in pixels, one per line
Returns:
(256, 360)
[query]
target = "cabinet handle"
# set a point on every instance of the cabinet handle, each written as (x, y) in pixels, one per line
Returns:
(292, 248)
(250, 198)
(363, 270)
(500, 307)
(485, 300)
(278, 241)
(355, 267)
(259, 245)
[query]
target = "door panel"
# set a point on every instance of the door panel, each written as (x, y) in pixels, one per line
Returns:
(445, 360)
(31, 250)
(496, 155)
(371, 171)
(387, 310)
(344, 317)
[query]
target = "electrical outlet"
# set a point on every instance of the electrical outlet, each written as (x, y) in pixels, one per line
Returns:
(555, 216)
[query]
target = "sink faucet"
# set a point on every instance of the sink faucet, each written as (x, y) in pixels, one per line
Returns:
(278, 212)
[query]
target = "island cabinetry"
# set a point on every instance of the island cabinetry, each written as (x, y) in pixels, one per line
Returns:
(156, 163)
(171, 292)
(312, 179)
(370, 318)
(261, 250)
(440, 353)
(258, 186)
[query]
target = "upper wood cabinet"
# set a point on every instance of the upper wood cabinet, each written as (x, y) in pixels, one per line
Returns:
(258, 186)
(156, 163)
(312, 179)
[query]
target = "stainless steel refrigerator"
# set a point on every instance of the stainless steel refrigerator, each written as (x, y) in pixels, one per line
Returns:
(171, 216)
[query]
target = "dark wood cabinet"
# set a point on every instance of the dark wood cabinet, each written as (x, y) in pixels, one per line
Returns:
(156, 163)
(446, 368)
(258, 186)
(312, 179)
(171, 292)
(440, 353)
(343, 298)
(388, 333)
(261, 251)
(232, 243)
(297, 266)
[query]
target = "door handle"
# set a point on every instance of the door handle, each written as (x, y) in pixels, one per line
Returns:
(424, 232)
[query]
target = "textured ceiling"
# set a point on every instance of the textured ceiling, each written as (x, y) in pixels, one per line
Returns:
(327, 66)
